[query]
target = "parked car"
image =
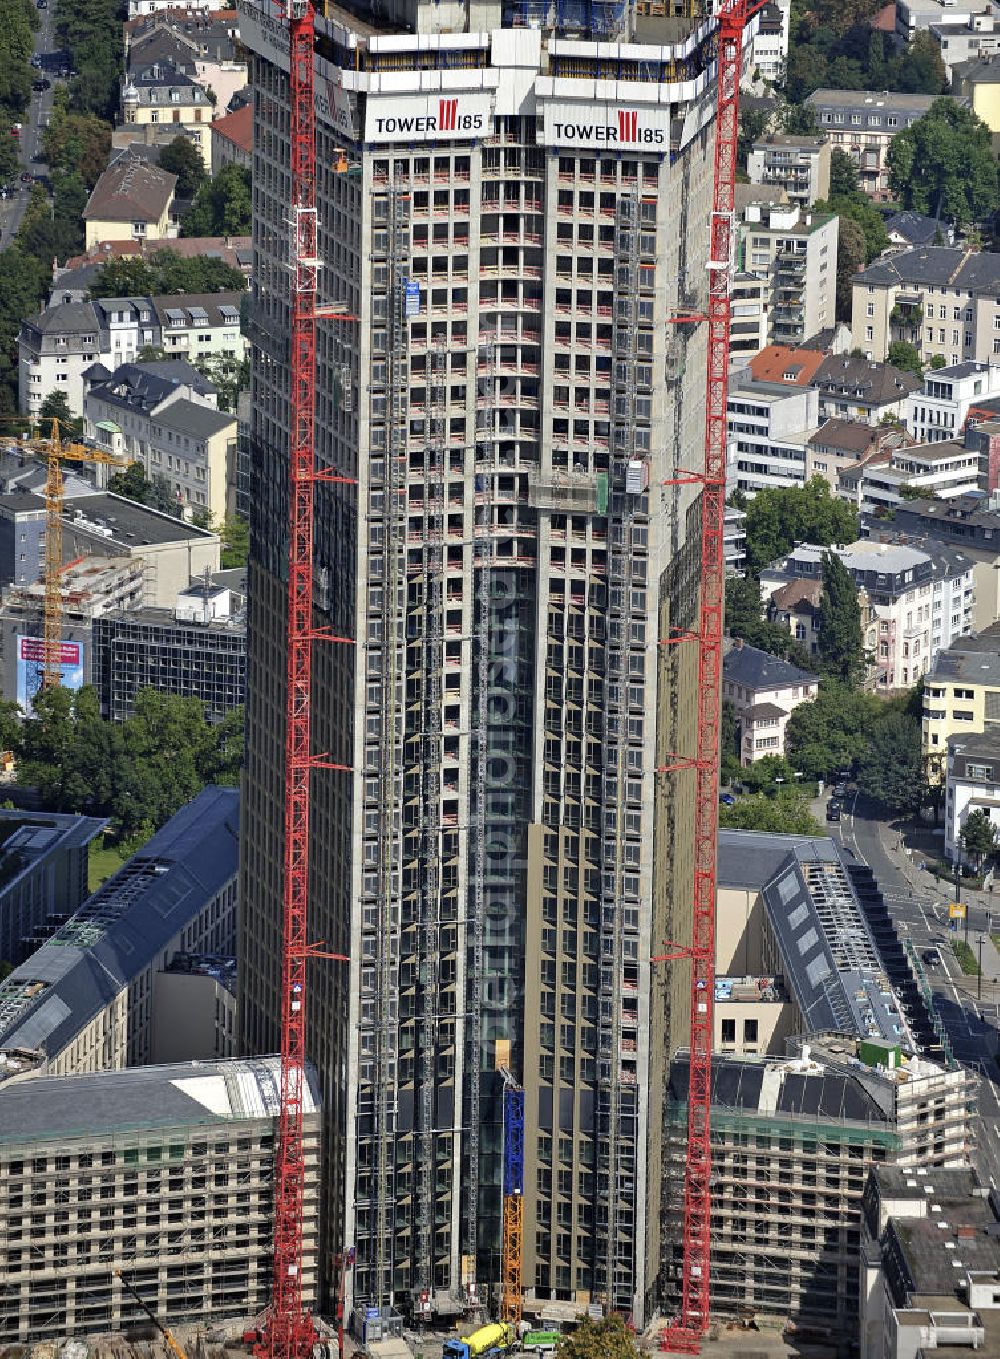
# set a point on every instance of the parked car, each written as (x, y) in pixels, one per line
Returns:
(727, 799)
(840, 790)
(931, 957)
(27, 178)
(833, 810)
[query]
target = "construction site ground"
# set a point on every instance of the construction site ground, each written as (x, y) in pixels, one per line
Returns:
(740, 1343)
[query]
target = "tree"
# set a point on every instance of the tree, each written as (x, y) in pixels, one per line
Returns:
(841, 642)
(164, 271)
(743, 619)
(222, 206)
(182, 158)
(753, 126)
(857, 208)
(852, 256)
(831, 733)
(123, 276)
(56, 407)
(235, 537)
(23, 280)
(919, 68)
(787, 814)
(843, 175)
(979, 836)
(79, 142)
(903, 355)
(607, 1339)
(779, 517)
(891, 770)
(942, 165)
(92, 33)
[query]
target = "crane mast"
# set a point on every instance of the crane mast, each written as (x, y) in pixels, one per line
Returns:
(684, 1335)
(288, 1330)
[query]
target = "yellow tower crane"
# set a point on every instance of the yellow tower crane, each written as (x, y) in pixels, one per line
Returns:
(55, 452)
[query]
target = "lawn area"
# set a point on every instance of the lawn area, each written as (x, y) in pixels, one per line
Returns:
(104, 860)
(966, 958)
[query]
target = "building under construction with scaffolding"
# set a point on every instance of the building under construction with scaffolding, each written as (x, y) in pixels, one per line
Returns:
(512, 208)
(795, 1132)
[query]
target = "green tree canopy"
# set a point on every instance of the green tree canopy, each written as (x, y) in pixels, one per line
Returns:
(222, 206)
(607, 1339)
(787, 814)
(979, 836)
(56, 407)
(843, 175)
(780, 517)
(23, 282)
(78, 142)
(182, 158)
(841, 642)
(17, 42)
(133, 484)
(942, 165)
(165, 271)
(891, 769)
(92, 32)
(857, 208)
(904, 356)
(830, 733)
(852, 256)
(235, 535)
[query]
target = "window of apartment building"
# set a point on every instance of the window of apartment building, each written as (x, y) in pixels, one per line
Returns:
(729, 1031)
(869, 333)
(871, 308)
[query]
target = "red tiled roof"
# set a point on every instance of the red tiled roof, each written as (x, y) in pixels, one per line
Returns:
(236, 128)
(773, 363)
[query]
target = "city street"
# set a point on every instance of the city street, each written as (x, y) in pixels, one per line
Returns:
(35, 120)
(918, 905)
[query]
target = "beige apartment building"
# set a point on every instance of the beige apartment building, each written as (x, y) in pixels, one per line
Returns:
(944, 301)
(961, 695)
(164, 1174)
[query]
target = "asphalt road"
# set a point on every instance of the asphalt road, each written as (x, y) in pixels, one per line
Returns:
(39, 111)
(919, 909)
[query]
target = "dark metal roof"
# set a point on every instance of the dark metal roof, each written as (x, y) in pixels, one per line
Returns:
(119, 930)
(756, 669)
(781, 1089)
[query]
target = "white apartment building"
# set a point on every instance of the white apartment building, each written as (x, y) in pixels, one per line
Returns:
(797, 252)
(58, 345)
(920, 600)
(914, 16)
(947, 470)
(798, 165)
(770, 41)
(939, 410)
(528, 209)
(764, 691)
(201, 325)
(977, 37)
(768, 428)
(972, 783)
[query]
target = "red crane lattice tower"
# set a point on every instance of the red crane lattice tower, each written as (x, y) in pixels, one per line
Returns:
(684, 1335)
(288, 1331)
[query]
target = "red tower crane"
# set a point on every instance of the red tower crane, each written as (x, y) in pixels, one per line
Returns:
(288, 1331)
(684, 1335)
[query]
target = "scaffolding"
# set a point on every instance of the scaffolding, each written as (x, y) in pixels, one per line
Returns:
(390, 753)
(430, 588)
(616, 1099)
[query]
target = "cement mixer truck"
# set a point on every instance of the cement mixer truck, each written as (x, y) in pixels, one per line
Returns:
(489, 1342)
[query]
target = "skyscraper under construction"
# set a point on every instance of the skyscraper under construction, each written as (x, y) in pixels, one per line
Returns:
(513, 206)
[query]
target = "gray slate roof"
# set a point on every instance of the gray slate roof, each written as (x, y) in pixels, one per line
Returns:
(935, 266)
(180, 1095)
(773, 1090)
(119, 930)
(915, 227)
(756, 669)
(197, 422)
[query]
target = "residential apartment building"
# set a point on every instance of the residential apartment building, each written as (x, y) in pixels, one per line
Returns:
(56, 347)
(506, 564)
(163, 1176)
(913, 16)
(939, 410)
(797, 251)
(976, 39)
(43, 875)
(862, 123)
(907, 229)
(843, 443)
(764, 691)
(770, 41)
(751, 301)
(162, 93)
(201, 325)
(972, 783)
(82, 1001)
(930, 1259)
(943, 301)
(850, 387)
(22, 537)
(800, 166)
(132, 200)
(232, 139)
(921, 601)
(202, 45)
(163, 650)
(950, 469)
(768, 429)
(966, 523)
(961, 695)
(794, 1134)
(979, 81)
